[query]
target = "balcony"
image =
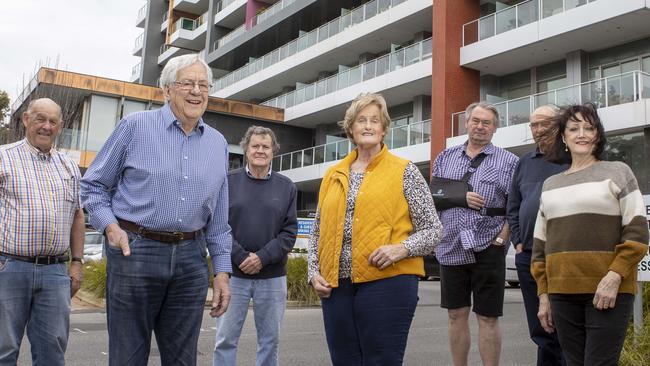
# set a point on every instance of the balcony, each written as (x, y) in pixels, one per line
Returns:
(189, 33)
(137, 48)
(229, 13)
(515, 16)
(135, 72)
(396, 137)
(258, 19)
(191, 6)
(142, 15)
(606, 92)
(382, 65)
(536, 32)
(167, 51)
(165, 22)
(320, 34)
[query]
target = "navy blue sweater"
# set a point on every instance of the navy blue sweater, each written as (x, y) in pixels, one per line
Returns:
(262, 215)
(523, 199)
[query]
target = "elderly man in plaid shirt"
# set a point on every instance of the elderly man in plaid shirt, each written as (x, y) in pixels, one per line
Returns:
(40, 221)
(472, 251)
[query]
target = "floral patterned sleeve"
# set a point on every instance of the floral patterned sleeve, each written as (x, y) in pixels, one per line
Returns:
(427, 229)
(312, 248)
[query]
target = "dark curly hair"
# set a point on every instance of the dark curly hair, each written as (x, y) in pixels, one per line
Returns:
(589, 114)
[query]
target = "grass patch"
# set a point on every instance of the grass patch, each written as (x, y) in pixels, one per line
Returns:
(636, 349)
(297, 287)
(95, 278)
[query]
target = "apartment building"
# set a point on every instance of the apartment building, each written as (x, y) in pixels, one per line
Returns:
(429, 58)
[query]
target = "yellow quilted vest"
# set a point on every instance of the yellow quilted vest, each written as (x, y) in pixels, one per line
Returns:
(381, 216)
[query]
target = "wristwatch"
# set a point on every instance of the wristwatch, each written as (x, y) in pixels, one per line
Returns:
(499, 241)
(78, 259)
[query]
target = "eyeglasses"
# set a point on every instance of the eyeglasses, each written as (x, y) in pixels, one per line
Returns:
(189, 85)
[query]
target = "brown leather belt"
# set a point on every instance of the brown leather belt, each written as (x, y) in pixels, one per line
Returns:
(39, 259)
(162, 236)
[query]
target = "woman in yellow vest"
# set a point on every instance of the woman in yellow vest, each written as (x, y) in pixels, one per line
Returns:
(375, 221)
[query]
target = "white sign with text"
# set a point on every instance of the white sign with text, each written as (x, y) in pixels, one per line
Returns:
(644, 265)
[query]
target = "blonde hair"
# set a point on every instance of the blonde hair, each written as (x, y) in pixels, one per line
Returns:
(360, 102)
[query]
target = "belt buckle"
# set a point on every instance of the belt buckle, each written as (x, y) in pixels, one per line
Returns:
(38, 262)
(178, 235)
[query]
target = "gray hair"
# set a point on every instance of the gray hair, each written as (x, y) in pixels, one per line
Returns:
(260, 131)
(33, 102)
(555, 110)
(168, 75)
(482, 105)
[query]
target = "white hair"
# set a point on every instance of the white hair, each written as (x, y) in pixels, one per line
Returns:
(168, 75)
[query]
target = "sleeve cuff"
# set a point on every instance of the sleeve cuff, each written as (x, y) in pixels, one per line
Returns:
(263, 256)
(221, 263)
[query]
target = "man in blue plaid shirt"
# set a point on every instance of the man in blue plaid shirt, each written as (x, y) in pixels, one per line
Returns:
(158, 190)
(472, 251)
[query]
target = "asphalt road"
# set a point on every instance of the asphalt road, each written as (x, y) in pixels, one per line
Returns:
(303, 340)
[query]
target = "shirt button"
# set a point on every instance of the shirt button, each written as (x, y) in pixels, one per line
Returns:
(182, 198)
(356, 219)
(180, 220)
(185, 157)
(185, 177)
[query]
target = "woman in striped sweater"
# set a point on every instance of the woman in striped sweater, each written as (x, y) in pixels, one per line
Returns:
(590, 234)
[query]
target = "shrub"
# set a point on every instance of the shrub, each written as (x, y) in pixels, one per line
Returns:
(297, 287)
(95, 278)
(636, 349)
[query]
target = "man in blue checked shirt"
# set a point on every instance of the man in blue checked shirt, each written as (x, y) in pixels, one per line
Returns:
(472, 251)
(159, 192)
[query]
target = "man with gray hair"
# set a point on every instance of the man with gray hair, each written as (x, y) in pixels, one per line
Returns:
(264, 226)
(40, 221)
(158, 190)
(472, 251)
(523, 205)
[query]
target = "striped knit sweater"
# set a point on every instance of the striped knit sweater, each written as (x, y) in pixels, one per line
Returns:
(590, 222)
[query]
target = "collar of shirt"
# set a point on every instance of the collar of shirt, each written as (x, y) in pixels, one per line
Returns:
(43, 156)
(487, 150)
(250, 175)
(170, 119)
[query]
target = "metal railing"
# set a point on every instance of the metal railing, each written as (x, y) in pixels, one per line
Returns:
(142, 13)
(317, 35)
(605, 92)
(390, 62)
(396, 137)
(515, 16)
(138, 43)
(164, 47)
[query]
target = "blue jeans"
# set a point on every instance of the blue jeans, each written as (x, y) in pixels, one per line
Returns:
(161, 288)
(367, 324)
(549, 352)
(269, 299)
(36, 297)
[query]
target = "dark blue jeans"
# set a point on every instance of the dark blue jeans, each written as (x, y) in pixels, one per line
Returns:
(161, 288)
(549, 352)
(368, 323)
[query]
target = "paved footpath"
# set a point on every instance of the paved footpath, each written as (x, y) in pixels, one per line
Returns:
(302, 340)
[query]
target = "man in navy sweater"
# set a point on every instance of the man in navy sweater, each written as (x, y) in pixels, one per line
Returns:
(262, 215)
(523, 204)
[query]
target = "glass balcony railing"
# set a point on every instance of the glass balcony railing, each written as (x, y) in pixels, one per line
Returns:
(223, 4)
(515, 16)
(189, 24)
(398, 136)
(606, 92)
(307, 40)
(142, 13)
(390, 62)
(164, 47)
(135, 71)
(138, 43)
(250, 23)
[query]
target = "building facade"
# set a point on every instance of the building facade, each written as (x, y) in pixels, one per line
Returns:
(429, 59)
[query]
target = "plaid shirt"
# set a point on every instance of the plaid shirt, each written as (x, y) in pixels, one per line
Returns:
(466, 230)
(150, 173)
(39, 195)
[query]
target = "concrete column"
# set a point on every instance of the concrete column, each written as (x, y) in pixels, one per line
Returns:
(453, 87)
(577, 67)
